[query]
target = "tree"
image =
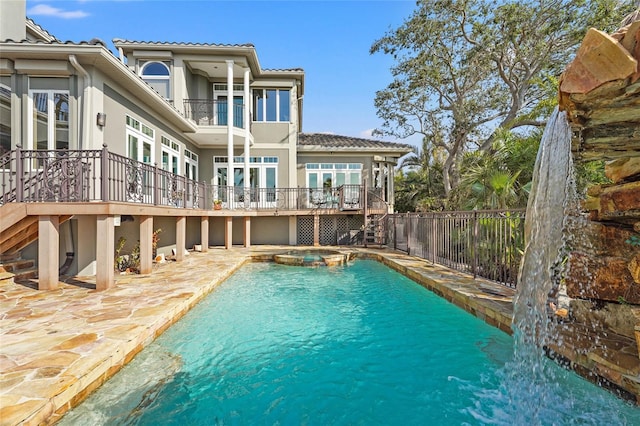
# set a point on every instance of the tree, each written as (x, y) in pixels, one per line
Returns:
(500, 178)
(465, 68)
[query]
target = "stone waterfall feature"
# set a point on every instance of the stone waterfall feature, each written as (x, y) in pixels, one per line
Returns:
(589, 275)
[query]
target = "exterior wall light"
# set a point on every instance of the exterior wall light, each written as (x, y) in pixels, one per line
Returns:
(101, 119)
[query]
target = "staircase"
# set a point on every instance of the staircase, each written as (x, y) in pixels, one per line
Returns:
(374, 231)
(16, 269)
(17, 229)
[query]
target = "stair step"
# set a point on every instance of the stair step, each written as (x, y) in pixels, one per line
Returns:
(16, 265)
(25, 274)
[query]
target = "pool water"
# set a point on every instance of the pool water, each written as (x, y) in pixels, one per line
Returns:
(357, 344)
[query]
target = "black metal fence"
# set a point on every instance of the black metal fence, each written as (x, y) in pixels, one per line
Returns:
(485, 243)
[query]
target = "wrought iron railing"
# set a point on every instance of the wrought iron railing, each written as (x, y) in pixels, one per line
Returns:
(487, 243)
(100, 175)
(207, 112)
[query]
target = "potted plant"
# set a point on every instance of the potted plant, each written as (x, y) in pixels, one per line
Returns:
(217, 204)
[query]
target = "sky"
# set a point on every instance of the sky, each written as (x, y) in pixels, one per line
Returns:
(330, 40)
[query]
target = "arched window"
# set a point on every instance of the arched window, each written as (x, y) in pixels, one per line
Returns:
(158, 76)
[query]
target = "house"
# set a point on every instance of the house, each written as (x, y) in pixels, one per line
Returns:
(96, 146)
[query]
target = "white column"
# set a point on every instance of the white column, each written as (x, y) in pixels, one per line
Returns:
(247, 154)
(230, 127)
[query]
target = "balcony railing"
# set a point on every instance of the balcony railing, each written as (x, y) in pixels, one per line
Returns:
(207, 112)
(99, 175)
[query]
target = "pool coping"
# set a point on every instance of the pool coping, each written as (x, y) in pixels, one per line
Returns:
(56, 347)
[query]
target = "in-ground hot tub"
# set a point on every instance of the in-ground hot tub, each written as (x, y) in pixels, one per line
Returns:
(312, 258)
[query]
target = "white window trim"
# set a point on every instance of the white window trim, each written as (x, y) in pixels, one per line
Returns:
(51, 117)
(331, 168)
(190, 161)
(142, 137)
(172, 152)
(264, 105)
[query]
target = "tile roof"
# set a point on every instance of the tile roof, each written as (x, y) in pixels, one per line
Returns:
(177, 43)
(328, 141)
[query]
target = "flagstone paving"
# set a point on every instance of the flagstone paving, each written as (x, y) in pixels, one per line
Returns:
(58, 346)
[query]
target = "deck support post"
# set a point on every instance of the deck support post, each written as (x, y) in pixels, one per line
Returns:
(146, 244)
(204, 233)
(247, 231)
(48, 252)
(105, 247)
(228, 232)
(181, 237)
(316, 230)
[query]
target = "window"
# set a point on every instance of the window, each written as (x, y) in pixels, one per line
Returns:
(5, 119)
(48, 120)
(158, 76)
(333, 175)
(263, 177)
(140, 142)
(271, 105)
(170, 155)
(190, 165)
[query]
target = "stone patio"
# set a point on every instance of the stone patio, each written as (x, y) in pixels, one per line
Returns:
(58, 346)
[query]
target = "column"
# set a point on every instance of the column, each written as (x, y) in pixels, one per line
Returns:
(204, 233)
(246, 119)
(316, 230)
(230, 180)
(228, 232)
(247, 231)
(146, 244)
(181, 237)
(105, 247)
(48, 252)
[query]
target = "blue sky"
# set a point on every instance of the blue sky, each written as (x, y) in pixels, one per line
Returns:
(330, 40)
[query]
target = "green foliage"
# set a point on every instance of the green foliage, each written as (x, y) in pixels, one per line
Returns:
(131, 262)
(466, 70)
(589, 173)
(500, 178)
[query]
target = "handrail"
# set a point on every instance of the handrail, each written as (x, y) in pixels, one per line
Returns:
(100, 175)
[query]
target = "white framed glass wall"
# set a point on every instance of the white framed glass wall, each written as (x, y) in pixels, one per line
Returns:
(333, 175)
(48, 120)
(263, 178)
(220, 97)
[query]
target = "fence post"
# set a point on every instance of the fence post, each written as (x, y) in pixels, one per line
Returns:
(433, 238)
(395, 232)
(104, 178)
(19, 174)
(475, 244)
(408, 227)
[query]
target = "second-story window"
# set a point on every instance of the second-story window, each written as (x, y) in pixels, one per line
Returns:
(158, 76)
(271, 105)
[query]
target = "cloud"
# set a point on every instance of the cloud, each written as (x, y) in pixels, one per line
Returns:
(368, 134)
(46, 10)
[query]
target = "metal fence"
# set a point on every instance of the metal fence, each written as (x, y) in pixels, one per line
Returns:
(485, 243)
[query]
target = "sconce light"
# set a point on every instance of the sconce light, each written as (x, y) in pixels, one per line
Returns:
(101, 119)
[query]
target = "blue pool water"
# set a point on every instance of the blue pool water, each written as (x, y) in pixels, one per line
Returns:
(359, 344)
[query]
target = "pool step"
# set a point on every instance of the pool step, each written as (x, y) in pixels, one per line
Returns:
(16, 270)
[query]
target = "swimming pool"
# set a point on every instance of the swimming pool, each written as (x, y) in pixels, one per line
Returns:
(359, 344)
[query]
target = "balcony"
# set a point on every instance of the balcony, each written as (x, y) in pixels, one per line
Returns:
(207, 112)
(67, 176)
